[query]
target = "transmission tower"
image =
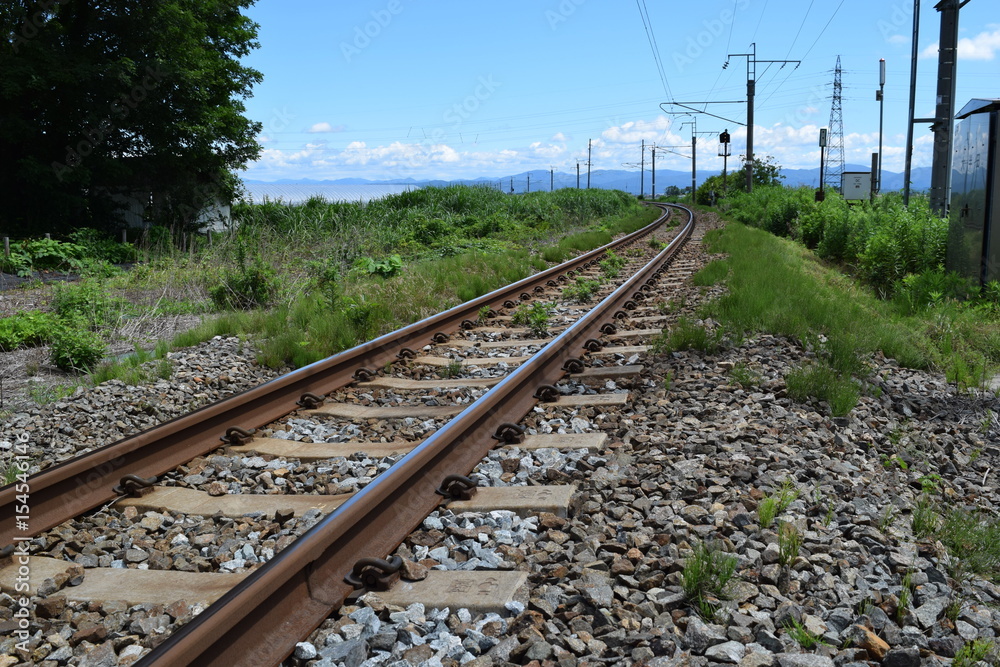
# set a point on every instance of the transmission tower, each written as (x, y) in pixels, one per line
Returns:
(835, 151)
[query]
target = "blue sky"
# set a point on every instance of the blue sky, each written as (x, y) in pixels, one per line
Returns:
(447, 89)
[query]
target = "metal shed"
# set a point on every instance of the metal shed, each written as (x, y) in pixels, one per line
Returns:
(974, 227)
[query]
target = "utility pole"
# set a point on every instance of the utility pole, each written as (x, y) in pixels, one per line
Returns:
(908, 157)
(751, 89)
(589, 141)
(820, 195)
(724, 154)
(577, 174)
(880, 96)
(944, 111)
(694, 147)
(552, 179)
(642, 170)
(653, 194)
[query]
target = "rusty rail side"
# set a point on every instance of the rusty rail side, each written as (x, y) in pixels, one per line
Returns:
(259, 621)
(79, 484)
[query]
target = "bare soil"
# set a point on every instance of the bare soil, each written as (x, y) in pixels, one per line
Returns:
(27, 376)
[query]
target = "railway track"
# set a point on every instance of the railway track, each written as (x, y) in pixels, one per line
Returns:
(428, 402)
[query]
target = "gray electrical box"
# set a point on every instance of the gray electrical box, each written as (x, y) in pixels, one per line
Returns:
(856, 185)
(974, 221)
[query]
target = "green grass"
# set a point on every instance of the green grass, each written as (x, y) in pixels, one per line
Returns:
(685, 334)
(973, 540)
(706, 575)
(820, 381)
(776, 503)
(582, 291)
(925, 519)
(972, 652)
(712, 273)
(789, 543)
(798, 632)
(742, 375)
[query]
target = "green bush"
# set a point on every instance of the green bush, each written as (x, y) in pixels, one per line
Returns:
(26, 329)
(76, 348)
(38, 254)
(97, 245)
(582, 291)
(251, 284)
(88, 300)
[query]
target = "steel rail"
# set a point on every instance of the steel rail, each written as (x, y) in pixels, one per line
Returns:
(77, 485)
(259, 621)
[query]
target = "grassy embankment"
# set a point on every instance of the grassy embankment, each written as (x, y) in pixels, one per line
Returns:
(848, 283)
(874, 282)
(308, 281)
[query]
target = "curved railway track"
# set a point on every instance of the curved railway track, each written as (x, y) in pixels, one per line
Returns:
(260, 618)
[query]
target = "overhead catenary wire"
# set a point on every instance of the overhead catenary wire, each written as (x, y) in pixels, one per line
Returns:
(651, 38)
(809, 50)
(799, 31)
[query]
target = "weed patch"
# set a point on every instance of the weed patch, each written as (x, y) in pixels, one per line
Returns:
(706, 575)
(687, 335)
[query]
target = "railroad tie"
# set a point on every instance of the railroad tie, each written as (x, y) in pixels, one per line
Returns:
(130, 586)
(315, 451)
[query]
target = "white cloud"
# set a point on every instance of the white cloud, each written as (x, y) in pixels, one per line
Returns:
(983, 46)
(633, 132)
(898, 40)
(325, 127)
(559, 136)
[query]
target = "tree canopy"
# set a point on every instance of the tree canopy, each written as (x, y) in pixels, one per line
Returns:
(765, 172)
(120, 96)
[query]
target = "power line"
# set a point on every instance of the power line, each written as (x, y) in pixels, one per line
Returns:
(824, 29)
(651, 38)
(730, 40)
(801, 25)
(762, 12)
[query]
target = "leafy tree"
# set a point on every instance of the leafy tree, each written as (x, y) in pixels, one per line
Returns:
(121, 96)
(765, 173)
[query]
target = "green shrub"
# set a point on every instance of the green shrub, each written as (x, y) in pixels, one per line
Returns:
(612, 264)
(386, 268)
(26, 329)
(36, 254)
(251, 284)
(582, 291)
(88, 300)
(98, 246)
(76, 348)
(535, 317)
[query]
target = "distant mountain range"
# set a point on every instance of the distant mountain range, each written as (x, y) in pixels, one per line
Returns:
(619, 179)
